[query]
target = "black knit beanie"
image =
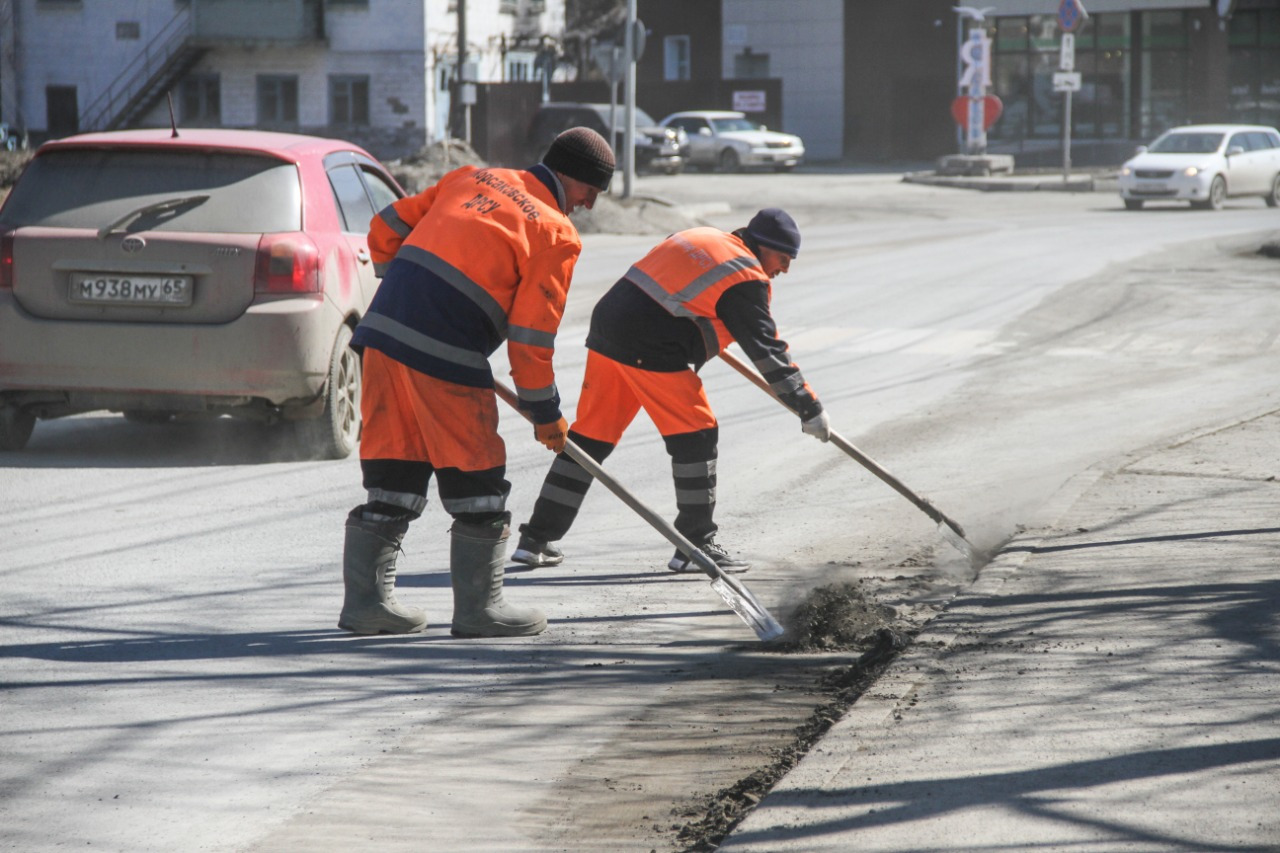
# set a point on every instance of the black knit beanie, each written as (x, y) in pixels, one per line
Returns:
(582, 154)
(774, 227)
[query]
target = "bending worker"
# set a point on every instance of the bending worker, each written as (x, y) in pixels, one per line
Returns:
(682, 304)
(483, 256)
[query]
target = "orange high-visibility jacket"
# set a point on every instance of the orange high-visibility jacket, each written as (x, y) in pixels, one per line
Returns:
(703, 279)
(689, 271)
(483, 256)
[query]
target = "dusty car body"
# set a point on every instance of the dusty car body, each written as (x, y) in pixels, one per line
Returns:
(205, 273)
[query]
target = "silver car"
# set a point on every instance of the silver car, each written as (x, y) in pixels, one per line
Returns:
(729, 141)
(185, 276)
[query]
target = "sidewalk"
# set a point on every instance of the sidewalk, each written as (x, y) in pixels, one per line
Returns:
(1113, 684)
(1029, 181)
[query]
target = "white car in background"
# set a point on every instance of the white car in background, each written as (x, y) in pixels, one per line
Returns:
(729, 141)
(1205, 164)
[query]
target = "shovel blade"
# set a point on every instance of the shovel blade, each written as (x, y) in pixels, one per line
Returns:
(976, 558)
(742, 602)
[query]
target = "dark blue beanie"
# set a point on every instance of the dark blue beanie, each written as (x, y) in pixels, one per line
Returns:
(774, 227)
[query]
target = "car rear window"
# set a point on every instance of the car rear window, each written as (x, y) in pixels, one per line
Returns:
(93, 188)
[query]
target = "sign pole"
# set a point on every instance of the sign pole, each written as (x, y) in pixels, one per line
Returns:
(1066, 137)
(1071, 14)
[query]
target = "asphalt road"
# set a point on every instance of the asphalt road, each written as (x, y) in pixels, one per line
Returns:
(172, 677)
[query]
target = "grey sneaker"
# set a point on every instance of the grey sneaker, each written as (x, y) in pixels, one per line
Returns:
(531, 552)
(727, 564)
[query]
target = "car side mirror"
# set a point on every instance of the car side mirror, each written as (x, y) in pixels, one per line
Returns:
(764, 127)
(1234, 150)
(704, 131)
(1141, 149)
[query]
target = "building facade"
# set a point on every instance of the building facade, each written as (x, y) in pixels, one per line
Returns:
(872, 81)
(383, 73)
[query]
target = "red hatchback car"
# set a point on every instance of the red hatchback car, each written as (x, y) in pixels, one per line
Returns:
(192, 275)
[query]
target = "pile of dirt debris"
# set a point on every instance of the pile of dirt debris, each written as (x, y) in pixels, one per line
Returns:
(11, 165)
(610, 214)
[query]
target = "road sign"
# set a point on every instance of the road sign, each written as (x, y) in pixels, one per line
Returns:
(1066, 81)
(963, 106)
(1067, 56)
(1071, 14)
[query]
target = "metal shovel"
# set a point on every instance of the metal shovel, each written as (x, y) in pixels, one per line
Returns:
(950, 530)
(730, 589)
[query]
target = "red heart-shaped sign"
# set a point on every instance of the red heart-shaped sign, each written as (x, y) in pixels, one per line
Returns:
(991, 109)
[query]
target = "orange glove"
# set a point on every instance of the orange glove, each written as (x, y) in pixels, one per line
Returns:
(553, 436)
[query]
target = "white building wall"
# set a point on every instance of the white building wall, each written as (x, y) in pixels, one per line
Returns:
(74, 46)
(805, 43)
(401, 44)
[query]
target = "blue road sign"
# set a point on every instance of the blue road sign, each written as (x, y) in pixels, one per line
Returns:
(1071, 14)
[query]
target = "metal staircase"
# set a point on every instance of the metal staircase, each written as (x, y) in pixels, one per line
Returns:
(162, 62)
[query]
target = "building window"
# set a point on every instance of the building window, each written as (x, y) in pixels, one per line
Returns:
(349, 100)
(1253, 67)
(200, 100)
(1027, 51)
(675, 58)
(128, 30)
(521, 67)
(1162, 72)
(277, 100)
(750, 65)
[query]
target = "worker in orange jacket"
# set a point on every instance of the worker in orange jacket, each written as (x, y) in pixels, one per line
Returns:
(483, 256)
(682, 304)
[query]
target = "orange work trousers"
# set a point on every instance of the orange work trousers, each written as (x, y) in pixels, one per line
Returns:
(409, 415)
(612, 394)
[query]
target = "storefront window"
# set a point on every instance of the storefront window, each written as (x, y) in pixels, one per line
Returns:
(1027, 53)
(1253, 67)
(1163, 72)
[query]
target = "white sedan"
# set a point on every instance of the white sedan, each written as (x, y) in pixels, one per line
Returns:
(1205, 164)
(730, 141)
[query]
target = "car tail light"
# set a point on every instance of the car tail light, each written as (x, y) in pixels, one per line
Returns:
(287, 263)
(6, 260)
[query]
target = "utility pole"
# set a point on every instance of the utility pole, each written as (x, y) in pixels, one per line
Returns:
(629, 89)
(459, 74)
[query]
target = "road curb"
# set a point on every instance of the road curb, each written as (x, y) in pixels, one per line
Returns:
(895, 689)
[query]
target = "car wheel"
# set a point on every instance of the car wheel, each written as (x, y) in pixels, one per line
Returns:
(1273, 197)
(15, 427)
(785, 168)
(1133, 204)
(676, 169)
(729, 160)
(1217, 195)
(336, 432)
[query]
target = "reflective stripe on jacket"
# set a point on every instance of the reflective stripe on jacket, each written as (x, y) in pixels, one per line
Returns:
(683, 303)
(483, 256)
(688, 272)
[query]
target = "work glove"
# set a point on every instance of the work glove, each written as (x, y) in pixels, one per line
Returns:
(552, 436)
(818, 426)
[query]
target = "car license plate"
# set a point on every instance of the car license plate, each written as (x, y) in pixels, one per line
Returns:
(1152, 188)
(131, 289)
